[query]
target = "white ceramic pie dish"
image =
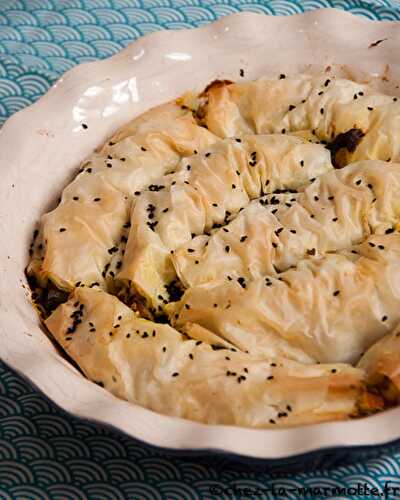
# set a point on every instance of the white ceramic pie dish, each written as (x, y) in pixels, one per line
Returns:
(44, 144)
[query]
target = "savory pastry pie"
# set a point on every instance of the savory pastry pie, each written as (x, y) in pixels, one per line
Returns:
(232, 257)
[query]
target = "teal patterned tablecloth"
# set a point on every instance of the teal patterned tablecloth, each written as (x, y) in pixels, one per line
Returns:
(44, 453)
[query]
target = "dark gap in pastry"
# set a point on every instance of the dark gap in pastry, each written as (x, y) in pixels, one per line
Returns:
(48, 298)
(346, 141)
(380, 394)
(175, 290)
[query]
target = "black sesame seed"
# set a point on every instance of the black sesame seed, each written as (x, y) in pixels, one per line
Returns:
(302, 163)
(384, 318)
(164, 349)
(96, 199)
(292, 107)
(143, 148)
(175, 374)
(227, 248)
(271, 377)
(241, 72)
(381, 247)
(282, 76)
(336, 293)
(62, 229)
(358, 182)
(75, 198)
(243, 238)
(371, 244)
(335, 219)
(84, 126)
(333, 370)
(389, 231)
(370, 109)
(321, 111)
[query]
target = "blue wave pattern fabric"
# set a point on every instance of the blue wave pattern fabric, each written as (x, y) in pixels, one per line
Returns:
(45, 454)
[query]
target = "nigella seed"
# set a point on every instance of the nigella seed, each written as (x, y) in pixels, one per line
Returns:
(84, 126)
(175, 374)
(62, 229)
(384, 318)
